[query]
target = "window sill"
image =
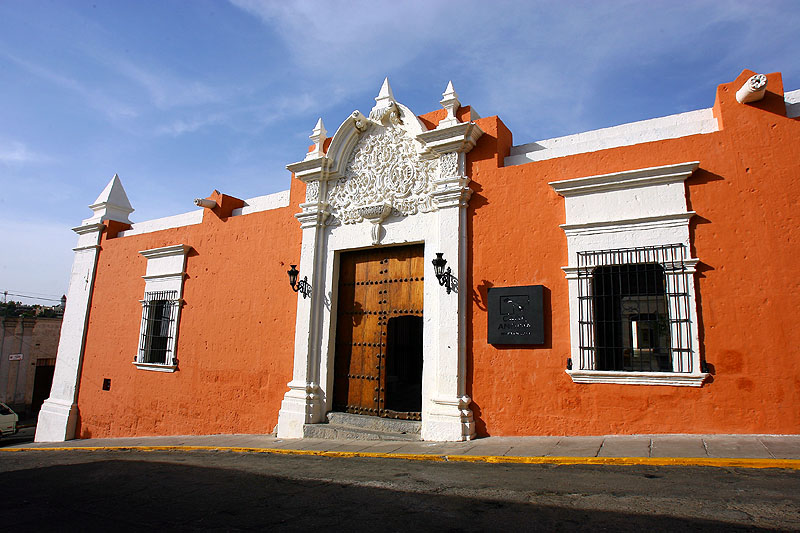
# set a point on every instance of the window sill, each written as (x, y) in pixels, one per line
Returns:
(675, 379)
(155, 367)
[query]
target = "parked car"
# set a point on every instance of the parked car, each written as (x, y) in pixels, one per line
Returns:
(8, 420)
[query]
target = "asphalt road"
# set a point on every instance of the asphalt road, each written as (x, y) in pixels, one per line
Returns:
(23, 436)
(137, 490)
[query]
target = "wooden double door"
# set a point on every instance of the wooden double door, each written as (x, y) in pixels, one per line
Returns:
(378, 365)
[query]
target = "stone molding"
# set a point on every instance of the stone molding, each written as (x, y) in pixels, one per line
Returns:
(625, 180)
(631, 224)
(675, 379)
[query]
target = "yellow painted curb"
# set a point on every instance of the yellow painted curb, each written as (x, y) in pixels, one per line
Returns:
(791, 464)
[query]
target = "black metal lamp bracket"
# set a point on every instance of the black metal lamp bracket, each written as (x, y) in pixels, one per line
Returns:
(445, 277)
(302, 286)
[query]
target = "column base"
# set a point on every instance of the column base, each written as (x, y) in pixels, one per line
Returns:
(449, 420)
(57, 421)
(302, 404)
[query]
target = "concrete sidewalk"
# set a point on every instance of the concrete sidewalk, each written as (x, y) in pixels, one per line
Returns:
(778, 451)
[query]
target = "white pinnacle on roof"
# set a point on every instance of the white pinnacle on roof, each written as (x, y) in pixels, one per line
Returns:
(112, 204)
(385, 105)
(385, 92)
(449, 92)
(451, 104)
(318, 137)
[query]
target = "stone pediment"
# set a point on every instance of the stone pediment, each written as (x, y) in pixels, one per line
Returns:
(386, 164)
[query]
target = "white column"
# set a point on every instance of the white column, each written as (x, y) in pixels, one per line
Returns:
(447, 416)
(59, 412)
(303, 402)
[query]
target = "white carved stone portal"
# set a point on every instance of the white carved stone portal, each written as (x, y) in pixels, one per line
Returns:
(385, 179)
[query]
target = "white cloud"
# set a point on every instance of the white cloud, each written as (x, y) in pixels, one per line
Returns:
(543, 67)
(165, 90)
(15, 152)
(94, 98)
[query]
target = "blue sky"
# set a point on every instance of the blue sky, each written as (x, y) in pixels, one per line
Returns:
(182, 97)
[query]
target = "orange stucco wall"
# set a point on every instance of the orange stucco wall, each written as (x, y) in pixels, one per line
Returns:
(236, 331)
(235, 338)
(746, 236)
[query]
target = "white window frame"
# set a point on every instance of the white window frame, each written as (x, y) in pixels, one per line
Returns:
(631, 209)
(166, 270)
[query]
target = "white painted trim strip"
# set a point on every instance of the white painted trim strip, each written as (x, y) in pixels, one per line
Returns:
(158, 224)
(252, 205)
(263, 203)
(670, 127)
(792, 100)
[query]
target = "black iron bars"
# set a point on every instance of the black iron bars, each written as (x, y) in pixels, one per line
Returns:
(445, 277)
(302, 286)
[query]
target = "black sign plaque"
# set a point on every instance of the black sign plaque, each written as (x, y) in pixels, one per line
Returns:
(516, 315)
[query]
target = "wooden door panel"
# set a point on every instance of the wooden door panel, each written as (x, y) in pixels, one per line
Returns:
(403, 375)
(374, 286)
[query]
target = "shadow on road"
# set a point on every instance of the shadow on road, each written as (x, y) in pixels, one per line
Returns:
(23, 436)
(129, 495)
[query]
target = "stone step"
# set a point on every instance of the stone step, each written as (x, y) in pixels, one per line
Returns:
(392, 425)
(360, 427)
(328, 431)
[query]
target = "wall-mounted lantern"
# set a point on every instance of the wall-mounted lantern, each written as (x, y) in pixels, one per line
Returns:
(445, 277)
(302, 286)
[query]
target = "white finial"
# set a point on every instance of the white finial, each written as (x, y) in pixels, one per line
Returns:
(112, 204)
(451, 104)
(318, 137)
(385, 106)
(450, 92)
(385, 92)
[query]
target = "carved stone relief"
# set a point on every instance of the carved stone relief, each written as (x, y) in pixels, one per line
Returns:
(384, 168)
(312, 191)
(449, 165)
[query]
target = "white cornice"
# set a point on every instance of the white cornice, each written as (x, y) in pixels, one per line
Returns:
(155, 367)
(88, 247)
(675, 379)
(89, 228)
(625, 180)
(457, 138)
(313, 214)
(690, 266)
(631, 224)
(165, 277)
(309, 169)
(166, 251)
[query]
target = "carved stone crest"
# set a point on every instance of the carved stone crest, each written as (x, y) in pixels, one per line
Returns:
(384, 169)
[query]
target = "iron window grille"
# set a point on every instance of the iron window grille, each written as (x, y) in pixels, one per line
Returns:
(159, 313)
(634, 310)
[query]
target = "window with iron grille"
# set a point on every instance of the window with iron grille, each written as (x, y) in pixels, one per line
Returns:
(159, 314)
(634, 310)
